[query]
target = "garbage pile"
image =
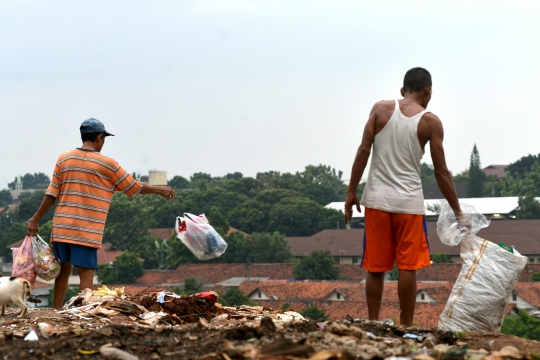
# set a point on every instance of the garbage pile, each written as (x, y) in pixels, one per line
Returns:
(157, 324)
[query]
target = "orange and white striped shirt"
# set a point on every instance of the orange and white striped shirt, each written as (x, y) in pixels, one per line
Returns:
(84, 182)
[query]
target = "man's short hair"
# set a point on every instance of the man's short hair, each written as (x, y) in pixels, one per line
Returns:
(90, 136)
(416, 80)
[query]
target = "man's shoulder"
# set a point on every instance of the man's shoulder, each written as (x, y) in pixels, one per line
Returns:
(76, 153)
(384, 104)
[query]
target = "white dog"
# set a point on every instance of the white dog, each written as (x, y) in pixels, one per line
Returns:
(16, 291)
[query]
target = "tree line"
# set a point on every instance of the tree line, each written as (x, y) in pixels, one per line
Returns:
(264, 209)
(522, 180)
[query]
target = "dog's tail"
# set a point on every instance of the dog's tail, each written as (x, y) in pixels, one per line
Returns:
(28, 293)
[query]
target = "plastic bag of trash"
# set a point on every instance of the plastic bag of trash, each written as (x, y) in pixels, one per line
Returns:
(23, 262)
(481, 293)
(451, 231)
(199, 236)
(46, 265)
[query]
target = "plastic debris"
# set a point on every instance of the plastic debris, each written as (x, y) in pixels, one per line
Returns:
(161, 297)
(370, 335)
(32, 336)
(110, 351)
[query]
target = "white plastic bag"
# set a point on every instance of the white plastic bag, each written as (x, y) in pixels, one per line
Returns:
(199, 237)
(483, 287)
(449, 230)
(46, 265)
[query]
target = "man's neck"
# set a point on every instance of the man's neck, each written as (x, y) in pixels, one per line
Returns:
(415, 97)
(89, 145)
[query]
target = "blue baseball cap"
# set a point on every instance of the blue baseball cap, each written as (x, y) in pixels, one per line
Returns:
(93, 126)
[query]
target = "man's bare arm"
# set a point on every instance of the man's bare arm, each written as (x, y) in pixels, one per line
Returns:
(359, 165)
(32, 225)
(442, 174)
(166, 191)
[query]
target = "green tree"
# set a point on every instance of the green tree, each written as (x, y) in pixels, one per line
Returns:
(522, 324)
(128, 222)
(319, 265)
(271, 248)
(218, 221)
(441, 258)
(239, 247)
(427, 174)
(314, 313)
(246, 186)
(24, 195)
(523, 165)
(10, 233)
(476, 176)
(32, 181)
(296, 217)
(125, 269)
(166, 212)
(29, 206)
(535, 277)
(163, 253)
(331, 219)
(179, 182)
(234, 297)
(251, 216)
(192, 286)
(5, 198)
(393, 275)
(528, 207)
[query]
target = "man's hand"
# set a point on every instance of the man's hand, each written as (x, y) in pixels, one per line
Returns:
(32, 227)
(463, 223)
(167, 192)
(351, 200)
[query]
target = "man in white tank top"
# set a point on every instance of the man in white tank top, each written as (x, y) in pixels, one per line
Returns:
(395, 228)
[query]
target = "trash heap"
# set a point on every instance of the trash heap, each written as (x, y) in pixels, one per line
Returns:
(157, 324)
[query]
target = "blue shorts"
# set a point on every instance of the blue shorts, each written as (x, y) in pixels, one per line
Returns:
(78, 255)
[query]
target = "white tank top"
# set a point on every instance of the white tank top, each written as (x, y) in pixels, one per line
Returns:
(393, 183)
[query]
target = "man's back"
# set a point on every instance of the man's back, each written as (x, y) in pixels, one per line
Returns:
(84, 183)
(394, 178)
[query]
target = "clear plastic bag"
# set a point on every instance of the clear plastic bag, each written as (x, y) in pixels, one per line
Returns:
(451, 231)
(200, 237)
(23, 261)
(46, 265)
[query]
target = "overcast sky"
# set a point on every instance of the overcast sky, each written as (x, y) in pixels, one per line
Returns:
(252, 86)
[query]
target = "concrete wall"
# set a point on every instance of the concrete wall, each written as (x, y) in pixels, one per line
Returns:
(157, 177)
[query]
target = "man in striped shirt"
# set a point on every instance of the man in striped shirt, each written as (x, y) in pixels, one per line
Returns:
(83, 183)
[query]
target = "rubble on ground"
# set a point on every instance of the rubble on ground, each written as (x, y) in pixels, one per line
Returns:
(156, 324)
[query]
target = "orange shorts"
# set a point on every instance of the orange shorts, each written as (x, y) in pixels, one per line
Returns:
(394, 238)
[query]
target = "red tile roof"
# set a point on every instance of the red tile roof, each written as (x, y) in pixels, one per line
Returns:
(216, 273)
(498, 170)
(339, 242)
(303, 294)
(163, 233)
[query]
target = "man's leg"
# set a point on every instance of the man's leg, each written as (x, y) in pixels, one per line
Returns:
(61, 285)
(86, 277)
(407, 296)
(374, 291)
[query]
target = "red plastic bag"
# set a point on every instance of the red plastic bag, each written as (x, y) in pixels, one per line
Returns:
(23, 261)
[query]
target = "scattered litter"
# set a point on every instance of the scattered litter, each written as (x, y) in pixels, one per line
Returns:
(370, 335)
(32, 336)
(414, 336)
(110, 351)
